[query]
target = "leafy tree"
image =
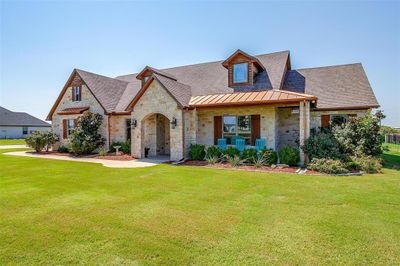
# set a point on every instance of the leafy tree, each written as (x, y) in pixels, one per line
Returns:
(85, 138)
(359, 136)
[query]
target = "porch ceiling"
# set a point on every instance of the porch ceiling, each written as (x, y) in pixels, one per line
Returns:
(249, 98)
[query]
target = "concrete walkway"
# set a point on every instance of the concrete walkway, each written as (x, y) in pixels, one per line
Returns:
(135, 163)
(13, 146)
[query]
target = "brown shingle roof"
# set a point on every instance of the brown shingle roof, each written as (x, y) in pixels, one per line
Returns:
(249, 98)
(343, 86)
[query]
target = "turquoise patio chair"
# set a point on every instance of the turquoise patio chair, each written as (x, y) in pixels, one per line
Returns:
(234, 138)
(221, 144)
(260, 144)
(240, 144)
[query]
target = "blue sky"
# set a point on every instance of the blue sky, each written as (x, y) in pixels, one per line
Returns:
(41, 42)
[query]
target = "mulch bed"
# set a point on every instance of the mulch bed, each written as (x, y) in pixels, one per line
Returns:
(109, 156)
(267, 169)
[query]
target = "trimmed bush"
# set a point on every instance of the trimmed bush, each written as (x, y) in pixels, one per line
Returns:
(197, 152)
(289, 155)
(36, 141)
(328, 166)
(213, 151)
(63, 149)
(40, 140)
(271, 156)
(212, 159)
(125, 146)
(232, 151)
(368, 164)
(322, 144)
(249, 155)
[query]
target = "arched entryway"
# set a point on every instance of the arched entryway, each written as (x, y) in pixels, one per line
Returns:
(156, 137)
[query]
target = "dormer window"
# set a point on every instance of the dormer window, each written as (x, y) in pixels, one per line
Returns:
(77, 93)
(240, 73)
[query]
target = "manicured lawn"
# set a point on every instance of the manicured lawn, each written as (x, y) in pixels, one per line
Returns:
(392, 156)
(12, 142)
(59, 212)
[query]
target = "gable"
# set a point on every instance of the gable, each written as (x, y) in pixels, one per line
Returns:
(153, 97)
(64, 99)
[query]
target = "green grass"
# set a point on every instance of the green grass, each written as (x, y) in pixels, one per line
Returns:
(12, 142)
(392, 156)
(60, 212)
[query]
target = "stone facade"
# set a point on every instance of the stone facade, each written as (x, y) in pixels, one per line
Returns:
(87, 100)
(316, 115)
(268, 114)
(118, 127)
(156, 100)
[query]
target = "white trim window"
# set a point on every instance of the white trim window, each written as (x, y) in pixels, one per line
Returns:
(236, 127)
(240, 73)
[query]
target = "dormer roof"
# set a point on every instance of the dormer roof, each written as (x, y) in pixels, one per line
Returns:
(239, 52)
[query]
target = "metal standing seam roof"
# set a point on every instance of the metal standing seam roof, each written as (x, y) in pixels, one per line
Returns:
(73, 110)
(249, 98)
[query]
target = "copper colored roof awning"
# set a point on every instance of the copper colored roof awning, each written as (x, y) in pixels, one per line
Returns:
(249, 98)
(74, 110)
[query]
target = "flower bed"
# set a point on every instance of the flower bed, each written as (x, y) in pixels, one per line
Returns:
(268, 169)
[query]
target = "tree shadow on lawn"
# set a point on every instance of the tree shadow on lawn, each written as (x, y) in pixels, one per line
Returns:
(391, 161)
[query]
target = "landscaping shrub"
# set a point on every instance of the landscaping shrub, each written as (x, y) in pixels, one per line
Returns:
(232, 151)
(63, 149)
(197, 152)
(368, 164)
(40, 140)
(322, 144)
(360, 136)
(234, 161)
(85, 138)
(212, 159)
(102, 151)
(213, 151)
(36, 141)
(50, 138)
(260, 160)
(249, 155)
(271, 156)
(289, 155)
(125, 146)
(328, 166)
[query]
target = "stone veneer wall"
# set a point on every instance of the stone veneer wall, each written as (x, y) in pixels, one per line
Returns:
(157, 100)
(288, 128)
(316, 115)
(66, 102)
(288, 124)
(118, 127)
(205, 133)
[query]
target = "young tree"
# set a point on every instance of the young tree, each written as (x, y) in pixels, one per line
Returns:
(85, 138)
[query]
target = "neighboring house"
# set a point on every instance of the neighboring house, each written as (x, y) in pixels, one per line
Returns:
(16, 125)
(247, 96)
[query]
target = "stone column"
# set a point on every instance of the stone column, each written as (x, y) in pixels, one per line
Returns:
(304, 127)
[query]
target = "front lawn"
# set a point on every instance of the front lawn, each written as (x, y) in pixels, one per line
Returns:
(61, 212)
(12, 142)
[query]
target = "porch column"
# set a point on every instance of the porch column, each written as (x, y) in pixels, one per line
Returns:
(304, 127)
